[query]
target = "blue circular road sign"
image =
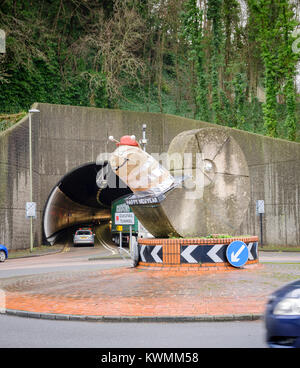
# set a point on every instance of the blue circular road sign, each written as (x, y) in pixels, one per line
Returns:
(237, 253)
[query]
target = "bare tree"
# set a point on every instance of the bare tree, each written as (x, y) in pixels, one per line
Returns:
(118, 44)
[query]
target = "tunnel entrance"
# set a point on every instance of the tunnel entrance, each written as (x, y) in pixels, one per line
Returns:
(83, 197)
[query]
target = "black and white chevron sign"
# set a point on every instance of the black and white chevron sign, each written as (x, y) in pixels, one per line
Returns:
(203, 253)
(252, 247)
(151, 254)
(210, 253)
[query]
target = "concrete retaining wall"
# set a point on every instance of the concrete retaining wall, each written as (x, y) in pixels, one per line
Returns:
(65, 137)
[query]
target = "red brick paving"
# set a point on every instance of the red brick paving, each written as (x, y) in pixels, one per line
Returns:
(141, 292)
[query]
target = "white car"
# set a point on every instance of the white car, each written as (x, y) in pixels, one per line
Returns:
(84, 236)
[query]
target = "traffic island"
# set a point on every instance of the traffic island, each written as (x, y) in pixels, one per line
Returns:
(199, 254)
(137, 294)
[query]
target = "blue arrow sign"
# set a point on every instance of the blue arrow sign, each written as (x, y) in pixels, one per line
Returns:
(237, 253)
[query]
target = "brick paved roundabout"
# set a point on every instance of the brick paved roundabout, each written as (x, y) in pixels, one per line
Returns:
(133, 293)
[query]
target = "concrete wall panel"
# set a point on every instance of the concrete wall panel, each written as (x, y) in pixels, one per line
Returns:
(65, 137)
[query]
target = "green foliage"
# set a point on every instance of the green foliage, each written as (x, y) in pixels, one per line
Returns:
(201, 61)
(214, 14)
(275, 26)
(8, 120)
(39, 64)
(192, 33)
(240, 85)
(290, 122)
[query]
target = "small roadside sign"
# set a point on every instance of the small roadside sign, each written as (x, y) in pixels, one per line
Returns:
(119, 228)
(30, 209)
(260, 206)
(124, 218)
(260, 210)
(237, 253)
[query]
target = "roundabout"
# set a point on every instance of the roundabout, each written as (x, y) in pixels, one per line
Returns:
(135, 294)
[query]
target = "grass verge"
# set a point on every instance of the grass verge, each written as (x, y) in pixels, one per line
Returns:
(37, 251)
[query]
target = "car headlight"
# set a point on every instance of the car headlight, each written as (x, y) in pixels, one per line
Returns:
(288, 307)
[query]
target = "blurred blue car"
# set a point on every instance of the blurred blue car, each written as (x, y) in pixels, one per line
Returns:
(3, 253)
(282, 317)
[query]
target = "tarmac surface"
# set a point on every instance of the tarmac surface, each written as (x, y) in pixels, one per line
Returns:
(120, 292)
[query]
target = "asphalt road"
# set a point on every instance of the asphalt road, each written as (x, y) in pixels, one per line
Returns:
(96, 258)
(22, 332)
(81, 258)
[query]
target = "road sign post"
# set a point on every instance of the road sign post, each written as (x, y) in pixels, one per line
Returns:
(31, 214)
(260, 210)
(130, 238)
(125, 218)
(120, 229)
(31, 111)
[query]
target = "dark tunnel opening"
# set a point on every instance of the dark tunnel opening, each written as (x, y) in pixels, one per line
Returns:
(82, 197)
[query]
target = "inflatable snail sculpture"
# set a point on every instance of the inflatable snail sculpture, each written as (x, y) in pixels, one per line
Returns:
(203, 189)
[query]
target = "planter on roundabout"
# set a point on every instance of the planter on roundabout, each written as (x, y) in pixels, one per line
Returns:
(198, 254)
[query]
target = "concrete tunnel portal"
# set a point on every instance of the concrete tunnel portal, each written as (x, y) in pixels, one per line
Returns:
(81, 197)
